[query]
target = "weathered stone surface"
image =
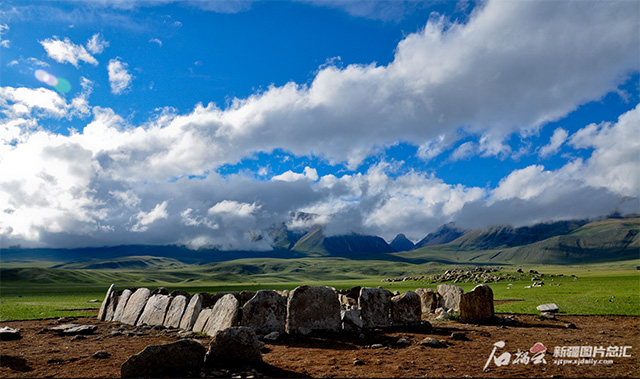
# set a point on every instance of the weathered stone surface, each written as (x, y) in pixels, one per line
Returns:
(122, 302)
(234, 346)
(375, 306)
(450, 296)
(406, 309)
(172, 359)
(191, 313)
(428, 300)
(225, 314)
(175, 311)
(73, 329)
(155, 310)
(135, 306)
(314, 308)
(202, 320)
(9, 334)
(273, 336)
(266, 312)
(477, 305)
(551, 307)
(108, 298)
(351, 320)
(111, 307)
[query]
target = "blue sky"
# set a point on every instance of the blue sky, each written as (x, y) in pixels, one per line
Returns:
(207, 123)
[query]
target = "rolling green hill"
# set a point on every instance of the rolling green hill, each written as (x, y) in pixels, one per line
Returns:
(558, 243)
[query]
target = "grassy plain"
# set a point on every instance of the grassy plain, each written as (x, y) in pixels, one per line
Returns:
(31, 293)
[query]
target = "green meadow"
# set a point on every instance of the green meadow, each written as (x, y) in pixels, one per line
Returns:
(36, 293)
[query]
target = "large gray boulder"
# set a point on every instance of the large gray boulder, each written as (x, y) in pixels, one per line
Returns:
(313, 308)
(108, 300)
(202, 320)
(191, 313)
(225, 314)
(122, 302)
(375, 307)
(174, 359)
(428, 300)
(155, 310)
(450, 296)
(135, 306)
(175, 311)
(234, 346)
(266, 312)
(406, 309)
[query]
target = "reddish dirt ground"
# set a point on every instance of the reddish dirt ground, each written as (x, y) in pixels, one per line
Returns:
(39, 355)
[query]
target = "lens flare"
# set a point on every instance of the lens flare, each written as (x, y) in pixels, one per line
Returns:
(60, 84)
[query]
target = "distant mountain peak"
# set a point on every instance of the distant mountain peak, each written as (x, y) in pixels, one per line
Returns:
(444, 234)
(402, 243)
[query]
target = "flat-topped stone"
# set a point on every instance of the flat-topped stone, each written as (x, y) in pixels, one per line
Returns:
(550, 307)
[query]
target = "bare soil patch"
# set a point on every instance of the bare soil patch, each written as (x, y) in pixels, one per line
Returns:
(45, 355)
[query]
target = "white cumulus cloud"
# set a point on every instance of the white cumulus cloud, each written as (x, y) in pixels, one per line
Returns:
(65, 51)
(557, 139)
(145, 219)
(119, 78)
(97, 44)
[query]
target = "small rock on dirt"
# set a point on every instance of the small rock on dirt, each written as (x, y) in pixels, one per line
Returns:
(273, 336)
(432, 342)
(101, 354)
(73, 329)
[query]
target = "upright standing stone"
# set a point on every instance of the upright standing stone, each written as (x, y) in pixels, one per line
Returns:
(108, 298)
(225, 314)
(122, 302)
(202, 320)
(313, 308)
(155, 310)
(175, 311)
(111, 307)
(191, 313)
(135, 306)
(375, 307)
(477, 305)
(450, 296)
(428, 300)
(406, 309)
(266, 312)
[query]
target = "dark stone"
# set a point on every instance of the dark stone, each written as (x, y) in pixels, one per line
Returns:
(160, 291)
(101, 355)
(172, 359)
(234, 346)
